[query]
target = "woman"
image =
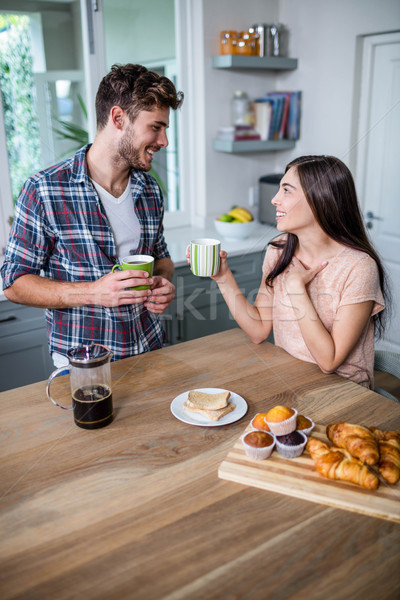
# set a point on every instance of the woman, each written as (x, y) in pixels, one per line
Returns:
(324, 287)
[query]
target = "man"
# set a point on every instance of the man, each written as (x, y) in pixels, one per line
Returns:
(75, 220)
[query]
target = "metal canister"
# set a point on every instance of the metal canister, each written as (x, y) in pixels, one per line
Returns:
(269, 186)
(272, 39)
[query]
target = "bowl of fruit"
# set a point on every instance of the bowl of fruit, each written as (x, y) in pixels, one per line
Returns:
(236, 224)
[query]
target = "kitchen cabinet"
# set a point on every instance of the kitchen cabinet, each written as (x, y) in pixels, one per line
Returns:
(246, 63)
(199, 308)
(24, 354)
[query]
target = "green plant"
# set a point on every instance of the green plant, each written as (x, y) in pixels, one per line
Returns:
(18, 98)
(72, 132)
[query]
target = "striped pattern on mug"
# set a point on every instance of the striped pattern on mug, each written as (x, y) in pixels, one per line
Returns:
(204, 257)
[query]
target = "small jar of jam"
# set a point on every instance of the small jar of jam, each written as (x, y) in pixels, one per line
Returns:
(255, 38)
(244, 46)
(228, 41)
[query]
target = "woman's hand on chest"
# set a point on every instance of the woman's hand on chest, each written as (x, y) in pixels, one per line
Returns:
(297, 276)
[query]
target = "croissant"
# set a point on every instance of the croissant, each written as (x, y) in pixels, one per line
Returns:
(337, 463)
(389, 448)
(358, 440)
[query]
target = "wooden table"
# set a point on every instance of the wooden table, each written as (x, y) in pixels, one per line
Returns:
(136, 510)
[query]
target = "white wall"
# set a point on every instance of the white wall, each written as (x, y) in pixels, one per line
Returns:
(228, 177)
(323, 36)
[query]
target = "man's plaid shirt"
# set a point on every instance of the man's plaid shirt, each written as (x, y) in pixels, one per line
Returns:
(61, 229)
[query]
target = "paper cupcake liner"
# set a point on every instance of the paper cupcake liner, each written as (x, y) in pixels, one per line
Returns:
(291, 451)
(283, 427)
(258, 453)
(308, 430)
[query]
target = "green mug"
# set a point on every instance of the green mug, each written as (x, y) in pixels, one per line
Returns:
(137, 262)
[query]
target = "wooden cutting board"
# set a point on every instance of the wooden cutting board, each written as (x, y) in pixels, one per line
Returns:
(297, 477)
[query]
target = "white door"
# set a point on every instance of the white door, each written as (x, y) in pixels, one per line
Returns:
(378, 161)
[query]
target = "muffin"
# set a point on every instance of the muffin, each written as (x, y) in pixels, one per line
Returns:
(291, 444)
(258, 444)
(304, 424)
(281, 420)
(258, 422)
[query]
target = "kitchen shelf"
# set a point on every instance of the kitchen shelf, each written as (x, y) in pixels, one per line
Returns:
(252, 145)
(237, 61)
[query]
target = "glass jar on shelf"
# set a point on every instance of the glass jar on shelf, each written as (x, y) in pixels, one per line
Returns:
(228, 41)
(255, 38)
(240, 109)
(247, 43)
(244, 47)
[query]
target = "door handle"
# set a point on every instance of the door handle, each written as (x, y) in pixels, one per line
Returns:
(370, 215)
(7, 319)
(179, 318)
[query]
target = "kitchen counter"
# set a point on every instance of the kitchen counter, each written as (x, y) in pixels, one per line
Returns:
(178, 239)
(136, 510)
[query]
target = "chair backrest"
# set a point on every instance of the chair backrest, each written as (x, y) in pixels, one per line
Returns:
(387, 362)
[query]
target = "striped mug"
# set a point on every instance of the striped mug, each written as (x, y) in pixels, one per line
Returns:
(204, 257)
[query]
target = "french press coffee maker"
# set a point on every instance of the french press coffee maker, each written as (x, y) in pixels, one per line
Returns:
(90, 377)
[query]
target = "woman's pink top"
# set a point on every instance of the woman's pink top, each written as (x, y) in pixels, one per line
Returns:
(350, 277)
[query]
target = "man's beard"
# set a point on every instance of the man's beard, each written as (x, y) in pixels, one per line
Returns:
(129, 154)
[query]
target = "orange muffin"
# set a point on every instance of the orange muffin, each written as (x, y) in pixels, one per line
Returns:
(258, 444)
(281, 420)
(259, 423)
(304, 424)
(279, 413)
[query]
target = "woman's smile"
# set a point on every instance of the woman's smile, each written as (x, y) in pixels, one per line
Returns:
(293, 212)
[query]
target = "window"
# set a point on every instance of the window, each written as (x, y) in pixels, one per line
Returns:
(69, 45)
(144, 33)
(42, 96)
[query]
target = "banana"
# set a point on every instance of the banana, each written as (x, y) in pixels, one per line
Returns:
(241, 214)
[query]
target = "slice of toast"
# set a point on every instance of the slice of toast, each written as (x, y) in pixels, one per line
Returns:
(213, 415)
(208, 401)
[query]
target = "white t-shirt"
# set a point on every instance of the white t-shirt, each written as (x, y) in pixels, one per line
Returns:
(122, 218)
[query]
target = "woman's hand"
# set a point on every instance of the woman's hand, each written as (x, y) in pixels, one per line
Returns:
(298, 276)
(223, 265)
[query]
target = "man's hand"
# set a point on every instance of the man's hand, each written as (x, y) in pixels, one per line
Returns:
(113, 289)
(161, 294)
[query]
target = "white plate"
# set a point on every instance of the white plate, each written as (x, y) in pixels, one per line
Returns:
(197, 419)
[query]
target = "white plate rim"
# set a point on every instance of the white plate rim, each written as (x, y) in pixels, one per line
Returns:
(179, 413)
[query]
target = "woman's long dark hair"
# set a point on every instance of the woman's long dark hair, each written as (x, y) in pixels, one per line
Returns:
(330, 192)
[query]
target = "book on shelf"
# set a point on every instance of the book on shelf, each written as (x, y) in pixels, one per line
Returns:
(277, 115)
(262, 116)
(238, 133)
(293, 127)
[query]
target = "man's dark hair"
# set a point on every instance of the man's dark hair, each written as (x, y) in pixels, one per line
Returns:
(134, 88)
